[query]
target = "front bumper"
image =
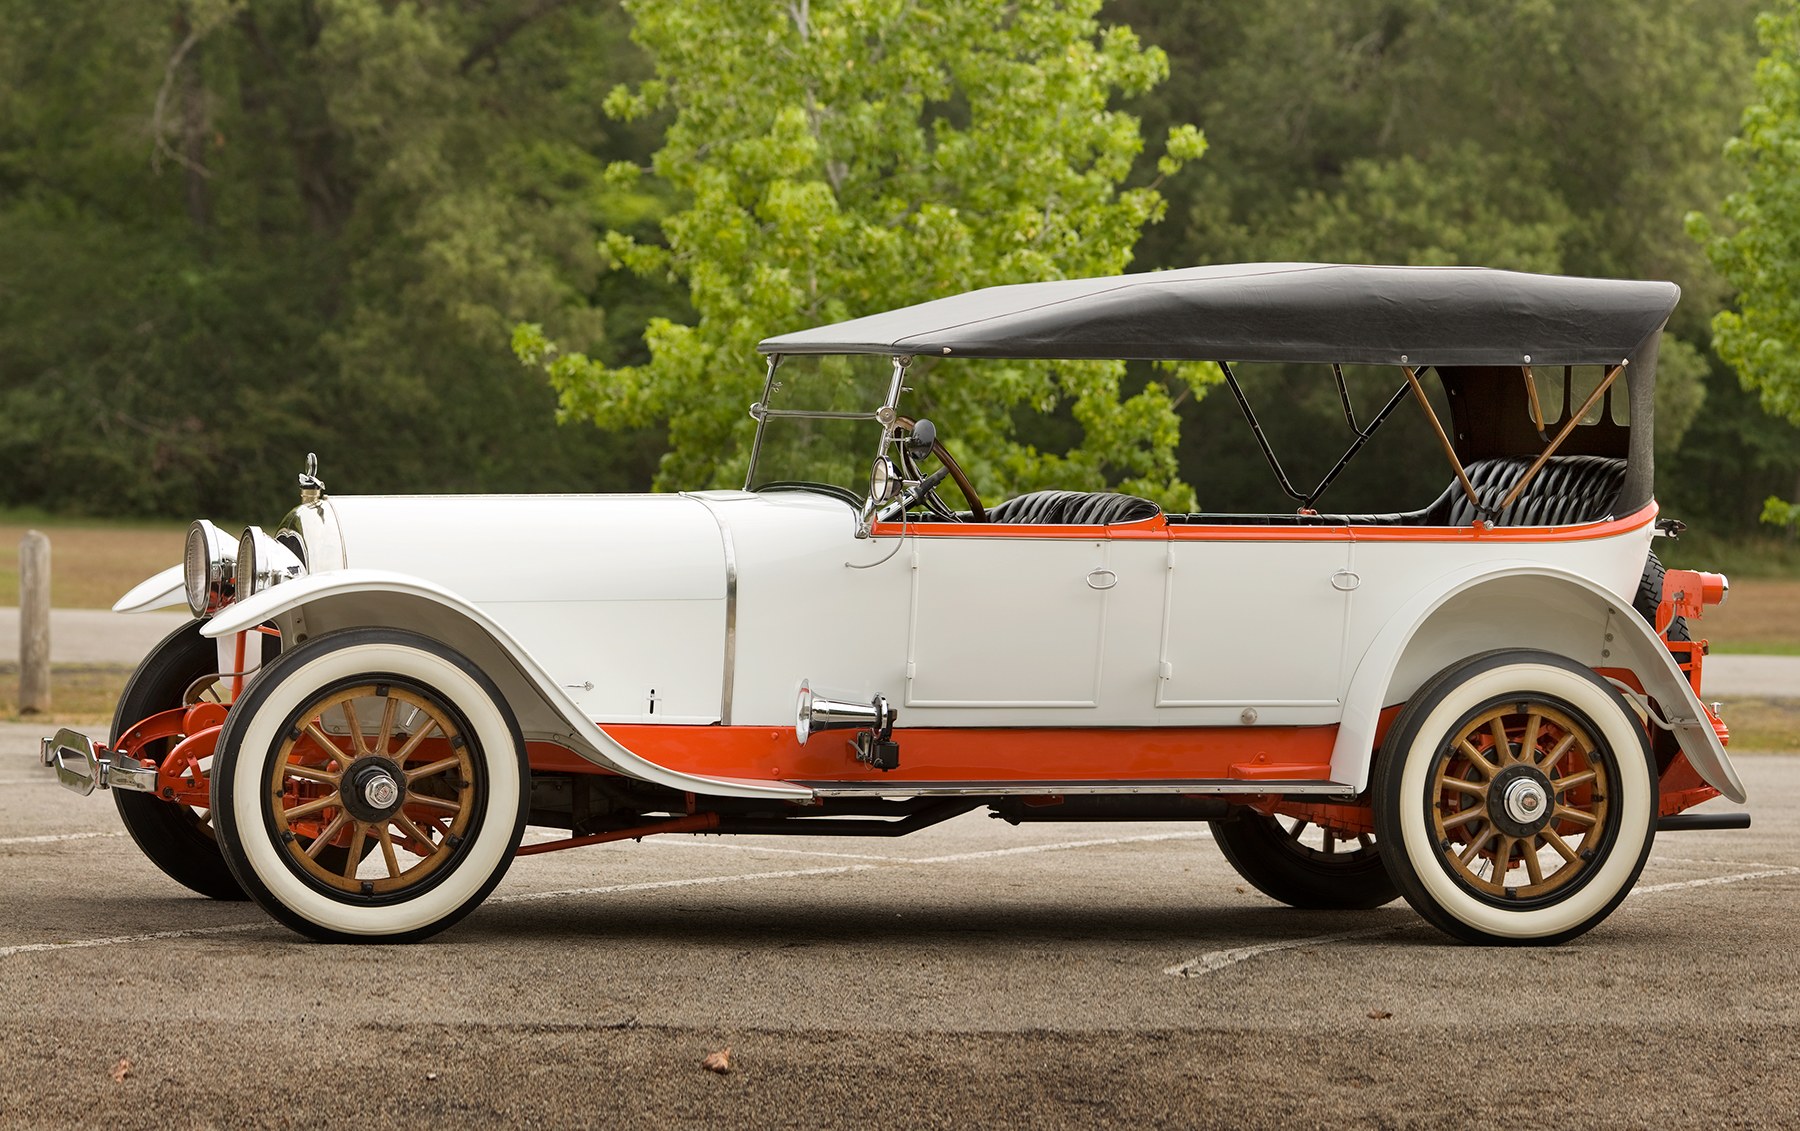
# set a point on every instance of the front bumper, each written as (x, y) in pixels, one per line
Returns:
(84, 767)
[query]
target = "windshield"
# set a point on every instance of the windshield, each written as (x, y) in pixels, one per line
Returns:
(819, 424)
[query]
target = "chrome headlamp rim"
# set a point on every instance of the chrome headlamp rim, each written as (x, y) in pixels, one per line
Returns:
(209, 569)
(264, 561)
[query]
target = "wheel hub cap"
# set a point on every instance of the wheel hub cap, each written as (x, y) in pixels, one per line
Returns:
(1521, 801)
(374, 789)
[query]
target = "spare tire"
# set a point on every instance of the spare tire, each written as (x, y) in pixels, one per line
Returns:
(1649, 596)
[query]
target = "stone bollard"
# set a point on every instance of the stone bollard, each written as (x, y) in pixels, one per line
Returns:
(34, 623)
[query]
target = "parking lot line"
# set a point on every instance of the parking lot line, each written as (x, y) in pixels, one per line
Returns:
(51, 838)
(1710, 881)
(1220, 959)
(127, 940)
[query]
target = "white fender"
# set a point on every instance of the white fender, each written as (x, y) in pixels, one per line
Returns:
(159, 592)
(1517, 604)
(404, 601)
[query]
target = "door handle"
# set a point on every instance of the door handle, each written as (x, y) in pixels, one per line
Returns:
(1102, 579)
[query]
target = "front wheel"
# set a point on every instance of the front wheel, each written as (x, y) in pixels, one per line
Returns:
(386, 744)
(1515, 799)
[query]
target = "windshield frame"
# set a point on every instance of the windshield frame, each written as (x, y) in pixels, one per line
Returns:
(886, 415)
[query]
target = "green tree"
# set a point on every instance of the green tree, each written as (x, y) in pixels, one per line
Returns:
(839, 158)
(1760, 254)
(1563, 138)
(239, 230)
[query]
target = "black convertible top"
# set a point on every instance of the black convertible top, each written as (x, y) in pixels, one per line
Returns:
(1281, 312)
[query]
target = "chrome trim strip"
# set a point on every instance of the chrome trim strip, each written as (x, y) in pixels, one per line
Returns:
(885, 788)
(731, 591)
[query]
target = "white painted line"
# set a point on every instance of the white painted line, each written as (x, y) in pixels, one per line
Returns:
(1711, 881)
(1200, 834)
(127, 940)
(52, 837)
(652, 885)
(1220, 959)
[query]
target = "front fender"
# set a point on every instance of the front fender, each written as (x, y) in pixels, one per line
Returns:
(159, 592)
(1517, 604)
(347, 597)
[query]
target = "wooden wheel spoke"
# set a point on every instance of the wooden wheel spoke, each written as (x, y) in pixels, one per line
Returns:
(412, 744)
(311, 773)
(324, 838)
(1528, 745)
(357, 746)
(1557, 752)
(440, 803)
(413, 832)
(1533, 866)
(1584, 819)
(317, 806)
(1560, 845)
(387, 852)
(1473, 788)
(451, 763)
(1502, 745)
(1475, 813)
(1563, 785)
(357, 839)
(1299, 827)
(324, 741)
(386, 732)
(1476, 758)
(1330, 841)
(1476, 843)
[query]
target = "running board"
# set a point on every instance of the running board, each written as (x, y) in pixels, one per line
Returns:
(885, 787)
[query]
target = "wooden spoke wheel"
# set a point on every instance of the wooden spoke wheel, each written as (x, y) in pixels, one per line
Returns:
(370, 785)
(378, 769)
(1515, 799)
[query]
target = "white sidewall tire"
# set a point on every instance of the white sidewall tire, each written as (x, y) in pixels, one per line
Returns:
(1633, 796)
(247, 746)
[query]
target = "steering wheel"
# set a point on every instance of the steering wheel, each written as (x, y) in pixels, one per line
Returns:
(927, 484)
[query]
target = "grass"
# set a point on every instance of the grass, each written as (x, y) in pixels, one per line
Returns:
(1763, 724)
(1762, 617)
(81, 695)
(91, 565)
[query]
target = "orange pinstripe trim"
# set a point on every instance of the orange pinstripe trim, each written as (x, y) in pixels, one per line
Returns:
(1157, 528)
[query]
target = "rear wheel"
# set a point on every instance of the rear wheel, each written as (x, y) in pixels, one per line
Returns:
(391, 746)
(1304, 865)
(1515, 798)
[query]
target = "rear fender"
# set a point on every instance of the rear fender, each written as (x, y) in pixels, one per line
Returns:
(349, 598)
(1519, 605)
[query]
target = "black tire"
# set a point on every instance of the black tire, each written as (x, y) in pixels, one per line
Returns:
(1649, 596)
(444, 784)
(1273, 860)
(1571, 792)
(177, 839)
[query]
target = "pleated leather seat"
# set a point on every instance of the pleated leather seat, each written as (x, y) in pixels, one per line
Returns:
(1073, 508)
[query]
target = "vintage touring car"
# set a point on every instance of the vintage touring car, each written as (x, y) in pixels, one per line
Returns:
(1488, 705)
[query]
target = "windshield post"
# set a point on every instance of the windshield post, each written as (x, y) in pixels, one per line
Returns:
(761, 418)
(888, 415)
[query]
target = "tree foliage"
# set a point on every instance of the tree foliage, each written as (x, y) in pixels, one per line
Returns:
(1760, 255)
(239, 230)
(838, 158)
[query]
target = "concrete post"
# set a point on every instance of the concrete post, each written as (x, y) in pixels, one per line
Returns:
(34, 623)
